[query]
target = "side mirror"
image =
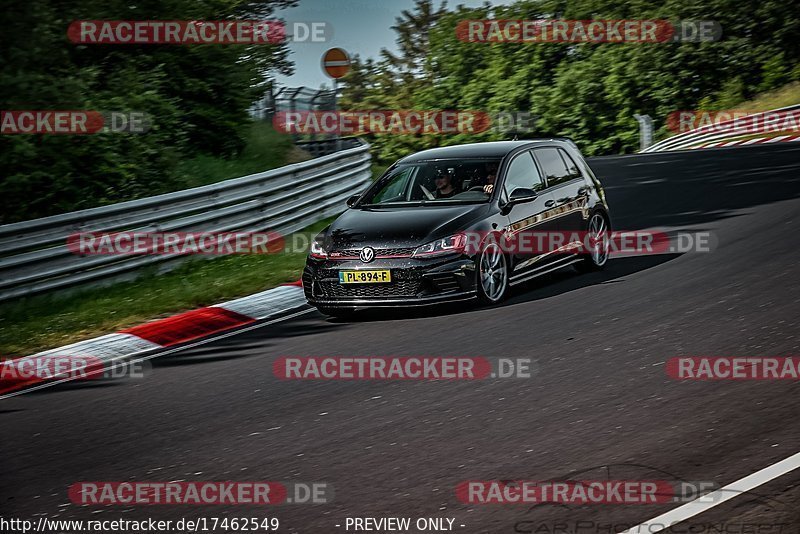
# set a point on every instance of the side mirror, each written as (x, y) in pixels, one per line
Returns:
(352, 200)
(522, 194)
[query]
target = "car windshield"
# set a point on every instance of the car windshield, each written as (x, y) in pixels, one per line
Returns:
(434, 183)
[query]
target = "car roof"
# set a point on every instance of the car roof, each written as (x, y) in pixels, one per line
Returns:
(493, 149)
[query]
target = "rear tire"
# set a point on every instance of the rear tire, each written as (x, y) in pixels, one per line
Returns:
(599, 237)
(492, 274)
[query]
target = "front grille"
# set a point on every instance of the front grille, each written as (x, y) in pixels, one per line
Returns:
(308, 283)
(397, 288)
(354, 252)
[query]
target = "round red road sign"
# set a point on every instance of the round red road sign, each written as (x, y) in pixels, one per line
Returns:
(335, 62)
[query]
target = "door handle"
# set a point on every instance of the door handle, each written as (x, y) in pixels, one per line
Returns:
(550, 203)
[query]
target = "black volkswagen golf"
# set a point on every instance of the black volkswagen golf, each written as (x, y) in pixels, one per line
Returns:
(438, 226)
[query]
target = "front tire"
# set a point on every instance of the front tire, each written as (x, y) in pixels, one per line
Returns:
(598, 236)
(492, 273)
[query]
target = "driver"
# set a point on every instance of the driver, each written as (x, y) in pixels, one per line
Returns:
(444, 183)
(491, 176)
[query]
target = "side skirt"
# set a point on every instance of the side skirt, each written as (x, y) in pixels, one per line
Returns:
(544, 269)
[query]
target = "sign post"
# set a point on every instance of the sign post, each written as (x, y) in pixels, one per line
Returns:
(336, 63)
(645, 130)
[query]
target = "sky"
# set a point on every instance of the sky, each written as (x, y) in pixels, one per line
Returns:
(361, 27)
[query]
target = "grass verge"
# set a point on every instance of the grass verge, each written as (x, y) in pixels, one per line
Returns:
(46, 321)
(787, 95)
(266, 149)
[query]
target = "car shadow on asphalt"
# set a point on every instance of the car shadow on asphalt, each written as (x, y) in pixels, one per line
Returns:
(314, 323)
(567, 279)
(546, 286)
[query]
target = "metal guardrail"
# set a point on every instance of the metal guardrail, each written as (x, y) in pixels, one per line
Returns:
(34, 257)
(711, 133)
(327, 146)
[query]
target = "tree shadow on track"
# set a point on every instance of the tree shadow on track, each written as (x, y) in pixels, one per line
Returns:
(546, 286)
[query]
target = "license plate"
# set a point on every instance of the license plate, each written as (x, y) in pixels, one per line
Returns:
(365, 277)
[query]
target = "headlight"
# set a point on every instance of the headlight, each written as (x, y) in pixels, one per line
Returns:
(448, 245)
(317, 250)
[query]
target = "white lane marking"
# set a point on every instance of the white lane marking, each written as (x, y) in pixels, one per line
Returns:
(161, 353)
(710, 500)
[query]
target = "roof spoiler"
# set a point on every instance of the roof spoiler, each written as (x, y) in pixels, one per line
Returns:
(522, 136)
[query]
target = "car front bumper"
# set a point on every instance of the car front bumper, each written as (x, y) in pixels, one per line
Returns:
(415, 282)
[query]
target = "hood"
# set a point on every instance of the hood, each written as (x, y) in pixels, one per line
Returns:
(400, 226)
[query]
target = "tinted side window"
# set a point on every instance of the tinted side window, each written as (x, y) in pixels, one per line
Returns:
(523, 173)
(574, 171)
(553, 166)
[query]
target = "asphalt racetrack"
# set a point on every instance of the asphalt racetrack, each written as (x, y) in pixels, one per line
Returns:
(599, 406)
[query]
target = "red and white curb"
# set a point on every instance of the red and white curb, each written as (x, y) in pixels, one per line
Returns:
(171, 331)
(754, 141)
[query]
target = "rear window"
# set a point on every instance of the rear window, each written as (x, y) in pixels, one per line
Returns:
(556, 165)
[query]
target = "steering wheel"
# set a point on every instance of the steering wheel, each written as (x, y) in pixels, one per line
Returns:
(428, 194)
(477, 188)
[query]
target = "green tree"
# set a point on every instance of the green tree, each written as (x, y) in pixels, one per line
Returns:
(197, 96)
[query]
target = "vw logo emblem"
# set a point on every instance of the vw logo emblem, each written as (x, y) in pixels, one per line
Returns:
(367, 254)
